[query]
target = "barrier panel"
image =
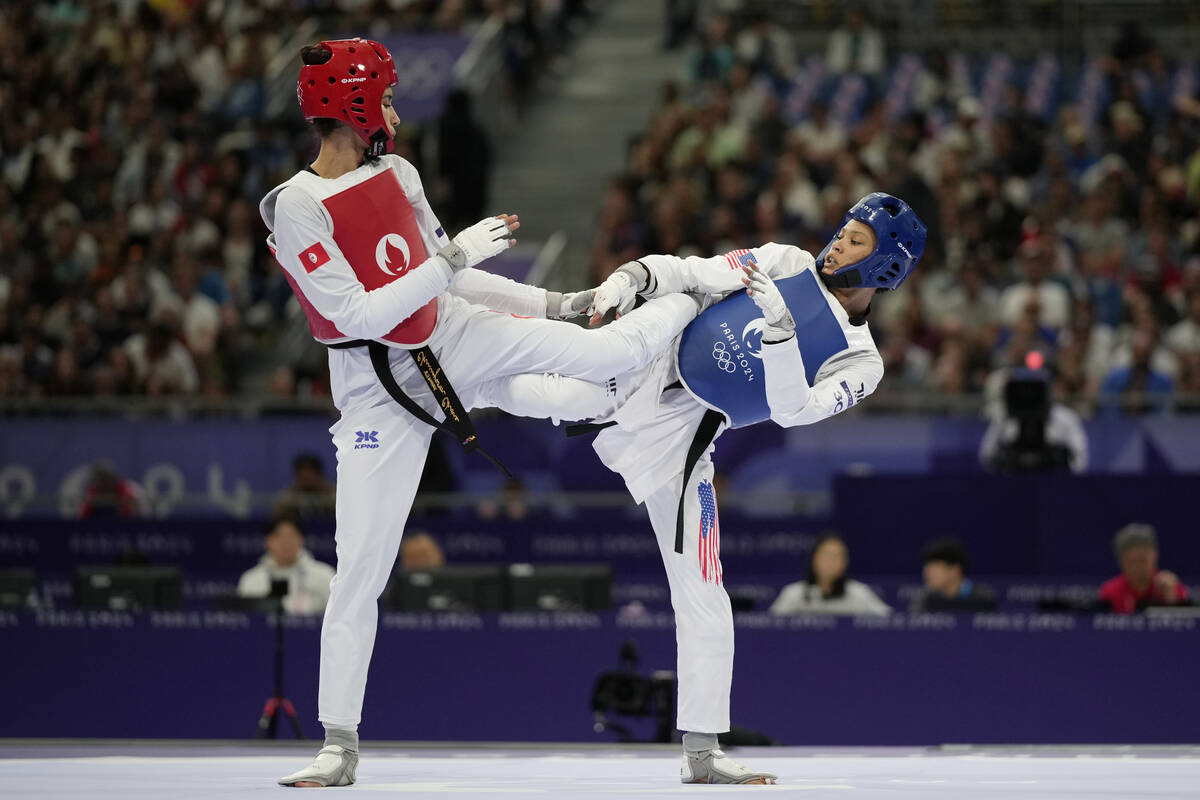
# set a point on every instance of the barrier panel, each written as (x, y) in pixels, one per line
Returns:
(901, 680)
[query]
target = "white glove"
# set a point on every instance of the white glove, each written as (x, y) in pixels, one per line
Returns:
(766, 296)
(569, 305)
(619, 290)
(474, 245)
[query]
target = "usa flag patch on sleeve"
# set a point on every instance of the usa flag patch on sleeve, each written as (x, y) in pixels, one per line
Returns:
(313, 257)
(740, 258)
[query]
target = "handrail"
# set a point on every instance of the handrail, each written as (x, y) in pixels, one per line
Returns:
(547, 258)
(466, 69)
(276, 70)
(261, 405)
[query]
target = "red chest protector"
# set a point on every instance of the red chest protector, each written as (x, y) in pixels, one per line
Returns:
(376, 230)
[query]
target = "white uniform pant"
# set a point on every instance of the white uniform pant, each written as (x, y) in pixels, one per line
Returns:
(703, 617)
(381, 450)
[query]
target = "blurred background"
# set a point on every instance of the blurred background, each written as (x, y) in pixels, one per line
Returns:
(1016, 500)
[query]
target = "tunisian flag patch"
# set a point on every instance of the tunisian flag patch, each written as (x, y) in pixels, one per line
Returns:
(313, 257)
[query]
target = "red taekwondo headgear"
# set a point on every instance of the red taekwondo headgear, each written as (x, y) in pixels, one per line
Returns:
(349, 87)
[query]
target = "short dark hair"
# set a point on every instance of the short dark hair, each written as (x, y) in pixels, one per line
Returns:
(950, 551)
(311, 55)
(307, 460)
(277, 520)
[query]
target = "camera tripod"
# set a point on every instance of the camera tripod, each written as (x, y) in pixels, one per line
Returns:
(277, 705)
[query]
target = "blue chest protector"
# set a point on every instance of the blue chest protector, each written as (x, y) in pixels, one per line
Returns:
(720, 354)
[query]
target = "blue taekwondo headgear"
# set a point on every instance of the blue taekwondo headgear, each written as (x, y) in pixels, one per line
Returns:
(899, 243)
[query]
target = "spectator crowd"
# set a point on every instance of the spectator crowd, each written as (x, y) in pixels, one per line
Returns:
(1061, 198)
(136, 138)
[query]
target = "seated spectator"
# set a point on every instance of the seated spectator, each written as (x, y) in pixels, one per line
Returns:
(511, 502)
(419, 550)
(947, 587)
(1184, 336)
(1138, 387)
(107, 494)
(855, 46)
(287, 560)
(1053, 301)
(1141, 583)
(161, 364)
(310, 493)
(712, 58)
(825, 588)
(765, 47)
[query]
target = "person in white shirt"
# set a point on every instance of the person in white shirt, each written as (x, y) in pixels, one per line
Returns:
(287, 560)
(1025, 431)
(1184, 336)
(826, 589)
(1053, 300)
(855, 46)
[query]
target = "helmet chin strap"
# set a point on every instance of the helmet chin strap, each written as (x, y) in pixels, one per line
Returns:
(377, 146)
(841, 280)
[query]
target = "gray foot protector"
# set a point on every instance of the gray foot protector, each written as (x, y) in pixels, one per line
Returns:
(713, 766)
(335, 766)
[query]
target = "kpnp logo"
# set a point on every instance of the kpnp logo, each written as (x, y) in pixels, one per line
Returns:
(388, 246)
(353, 80)
(366, 440)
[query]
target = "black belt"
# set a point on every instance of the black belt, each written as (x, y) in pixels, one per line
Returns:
(456, 424)
(706, 432)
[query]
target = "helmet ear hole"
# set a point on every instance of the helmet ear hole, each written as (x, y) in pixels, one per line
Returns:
(332, 80)
(893, 234)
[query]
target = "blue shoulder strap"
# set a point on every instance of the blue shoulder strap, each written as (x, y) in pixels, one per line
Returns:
(720, 353)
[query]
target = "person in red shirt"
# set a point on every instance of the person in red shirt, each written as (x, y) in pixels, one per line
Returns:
(108, 495)
(1141, 583)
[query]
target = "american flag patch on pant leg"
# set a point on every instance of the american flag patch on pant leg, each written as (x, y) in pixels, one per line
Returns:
(710, 535)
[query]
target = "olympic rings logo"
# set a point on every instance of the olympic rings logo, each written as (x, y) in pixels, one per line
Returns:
(724, 357)
(422, 73)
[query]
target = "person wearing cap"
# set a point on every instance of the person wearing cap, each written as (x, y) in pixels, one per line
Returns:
(1141, 583)
(947, 587)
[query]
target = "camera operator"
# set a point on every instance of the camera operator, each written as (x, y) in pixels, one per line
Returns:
(287, 560)
(1033, 433)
